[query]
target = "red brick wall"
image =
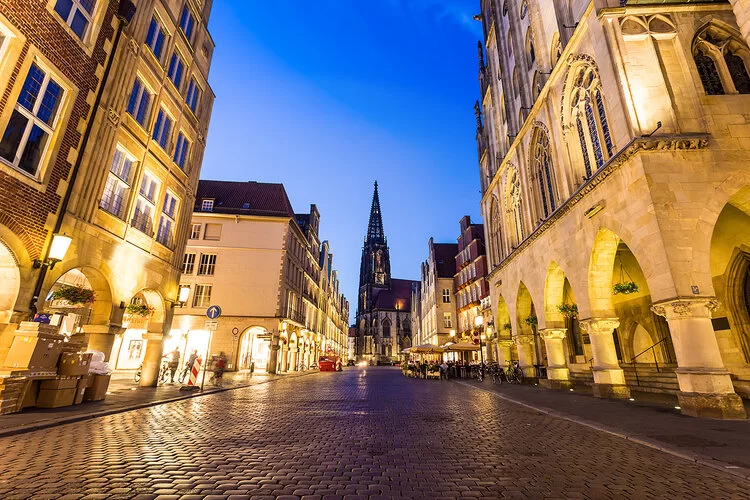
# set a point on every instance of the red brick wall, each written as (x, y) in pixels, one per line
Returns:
(22, 208)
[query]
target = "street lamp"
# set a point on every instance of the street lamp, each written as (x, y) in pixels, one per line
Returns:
(57, 250)
(183, 294)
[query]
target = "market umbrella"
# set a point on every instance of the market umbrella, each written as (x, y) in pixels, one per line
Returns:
(461, 346)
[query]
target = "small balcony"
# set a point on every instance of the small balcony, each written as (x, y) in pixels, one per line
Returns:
(296, 316)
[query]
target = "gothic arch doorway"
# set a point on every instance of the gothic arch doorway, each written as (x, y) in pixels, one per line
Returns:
(10, 277)
(255, 349)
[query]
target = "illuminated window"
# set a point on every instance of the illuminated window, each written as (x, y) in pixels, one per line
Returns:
(188, 263)
(202, 297)
(144, 208)
(447, 320)
(165, 234)
(117, 190)
(32, 122)
(721, 60)
(446, 296)
(543, 171)
(207, 205)
(195, 232)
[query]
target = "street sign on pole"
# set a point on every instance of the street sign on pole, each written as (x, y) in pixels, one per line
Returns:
(211, 326)
(213, 312)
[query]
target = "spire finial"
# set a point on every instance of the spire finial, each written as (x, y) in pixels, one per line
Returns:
(480, 54)
(375, 232)
(478, 114)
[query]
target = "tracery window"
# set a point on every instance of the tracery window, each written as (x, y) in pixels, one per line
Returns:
(543, 171)
(589, 116)
(495, 233)
(513, 206)
(721, 58)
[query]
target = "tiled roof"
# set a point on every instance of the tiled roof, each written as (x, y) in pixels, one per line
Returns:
(445, 259)
(245, 198)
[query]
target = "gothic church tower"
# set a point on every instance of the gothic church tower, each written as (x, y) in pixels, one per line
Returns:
(375, 267)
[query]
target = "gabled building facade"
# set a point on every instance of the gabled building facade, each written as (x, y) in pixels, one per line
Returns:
(613, 164)
(438, 305)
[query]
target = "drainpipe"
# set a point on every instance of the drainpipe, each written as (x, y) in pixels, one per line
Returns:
(125, 13)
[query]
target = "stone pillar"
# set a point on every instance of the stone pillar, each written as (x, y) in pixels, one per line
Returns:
(504, 352)
(609, 379)
(741, 10)
(273, 359)
(558, 374)
(293, 359)
(152, 359)
(490, 348)
(706, 388)
(284, 359)
(525, 344)
(102, 338)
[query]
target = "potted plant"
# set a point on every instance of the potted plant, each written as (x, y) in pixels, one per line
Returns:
(625, 288)
(507, 327)
(139, 310)
(531, 320)
(568, 310)
(74, 294)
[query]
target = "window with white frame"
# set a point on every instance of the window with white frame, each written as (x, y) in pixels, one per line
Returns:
(207, 264)
(193, 95)
(32, 122)
(139, 103)
(176, 70)
(187, 23)
(447, 320)
(207, 205)
(195, 231)
(156, 37)
(162, 129)
(181, 151)
(188, 263)
(144, 208)
(202, 297)
(167, 222)
(446, 296)
(116, 192)
(77, 14)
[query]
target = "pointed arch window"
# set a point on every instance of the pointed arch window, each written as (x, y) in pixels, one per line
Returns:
(495, 228)
(589, 115)
(543, 171)
(722, 59)
(513, 206)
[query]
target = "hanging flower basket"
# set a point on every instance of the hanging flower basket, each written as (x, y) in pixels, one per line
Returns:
(568, 310)
(507, 326)
(74, 294)
(625, 288)
(531, 321)
(139, 310)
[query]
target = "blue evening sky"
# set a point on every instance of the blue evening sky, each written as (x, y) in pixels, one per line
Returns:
(328, 96)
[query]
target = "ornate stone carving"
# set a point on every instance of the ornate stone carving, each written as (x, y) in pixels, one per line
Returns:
(553, 333)
(686, 307)
(520, 340)
(598, 326)
(113, 116)
(133, 46)
(634, 147)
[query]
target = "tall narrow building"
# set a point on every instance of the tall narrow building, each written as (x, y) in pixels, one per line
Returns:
(383, 325)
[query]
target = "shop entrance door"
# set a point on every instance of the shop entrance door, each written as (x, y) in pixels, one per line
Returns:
(255, 348)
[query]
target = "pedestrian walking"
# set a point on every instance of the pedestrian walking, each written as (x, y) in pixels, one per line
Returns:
(174, 362)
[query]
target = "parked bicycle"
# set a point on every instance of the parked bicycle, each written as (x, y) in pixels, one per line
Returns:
(163, 373)
(514, 373)
(185, 373)
(496, 373)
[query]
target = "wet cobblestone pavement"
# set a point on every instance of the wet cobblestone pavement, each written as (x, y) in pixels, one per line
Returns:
(364, 433)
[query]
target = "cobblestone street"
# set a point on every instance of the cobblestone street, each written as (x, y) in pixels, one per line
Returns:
(366, 433)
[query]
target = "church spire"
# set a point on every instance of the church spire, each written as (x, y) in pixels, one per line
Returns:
(375, 232)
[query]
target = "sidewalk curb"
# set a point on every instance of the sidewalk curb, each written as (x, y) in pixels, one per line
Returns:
(728, 468)
(14, 431)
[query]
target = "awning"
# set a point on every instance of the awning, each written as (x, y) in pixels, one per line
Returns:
(460, 346)
(427, 348)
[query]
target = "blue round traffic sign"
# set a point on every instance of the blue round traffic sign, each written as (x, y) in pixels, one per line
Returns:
(213, 312)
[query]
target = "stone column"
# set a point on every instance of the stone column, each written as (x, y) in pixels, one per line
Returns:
(706, 388)
(558, 374)
(102, 338)
(609, 379)
(525, 344)
(284, 359)
(504, 352)
(152, 359)
(490, 348)
(293, 359)
(273, 359)
(741, 10)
